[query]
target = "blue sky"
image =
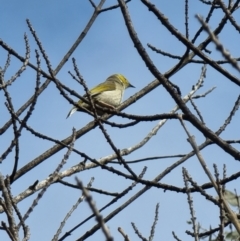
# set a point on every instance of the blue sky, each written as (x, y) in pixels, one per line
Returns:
(108, 49)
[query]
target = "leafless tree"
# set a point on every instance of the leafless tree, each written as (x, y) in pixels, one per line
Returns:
(188, 124)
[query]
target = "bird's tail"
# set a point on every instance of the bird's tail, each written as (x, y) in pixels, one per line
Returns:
(73, 110)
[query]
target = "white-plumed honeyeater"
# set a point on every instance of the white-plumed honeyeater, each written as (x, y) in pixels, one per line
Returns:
(107, 94)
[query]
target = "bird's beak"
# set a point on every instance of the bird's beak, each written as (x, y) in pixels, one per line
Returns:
(131, 86)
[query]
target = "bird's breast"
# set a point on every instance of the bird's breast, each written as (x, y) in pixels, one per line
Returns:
(113, 97)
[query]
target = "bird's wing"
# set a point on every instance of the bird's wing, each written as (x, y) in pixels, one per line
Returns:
(106, 86)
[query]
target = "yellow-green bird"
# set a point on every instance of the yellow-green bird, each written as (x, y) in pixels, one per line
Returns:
(107, 94)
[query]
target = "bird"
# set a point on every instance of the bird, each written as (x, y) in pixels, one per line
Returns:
(107, 94)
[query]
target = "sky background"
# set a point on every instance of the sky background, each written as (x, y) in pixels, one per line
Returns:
(107, 49)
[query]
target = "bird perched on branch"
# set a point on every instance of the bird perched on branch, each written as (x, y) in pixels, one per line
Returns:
(107, 94)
